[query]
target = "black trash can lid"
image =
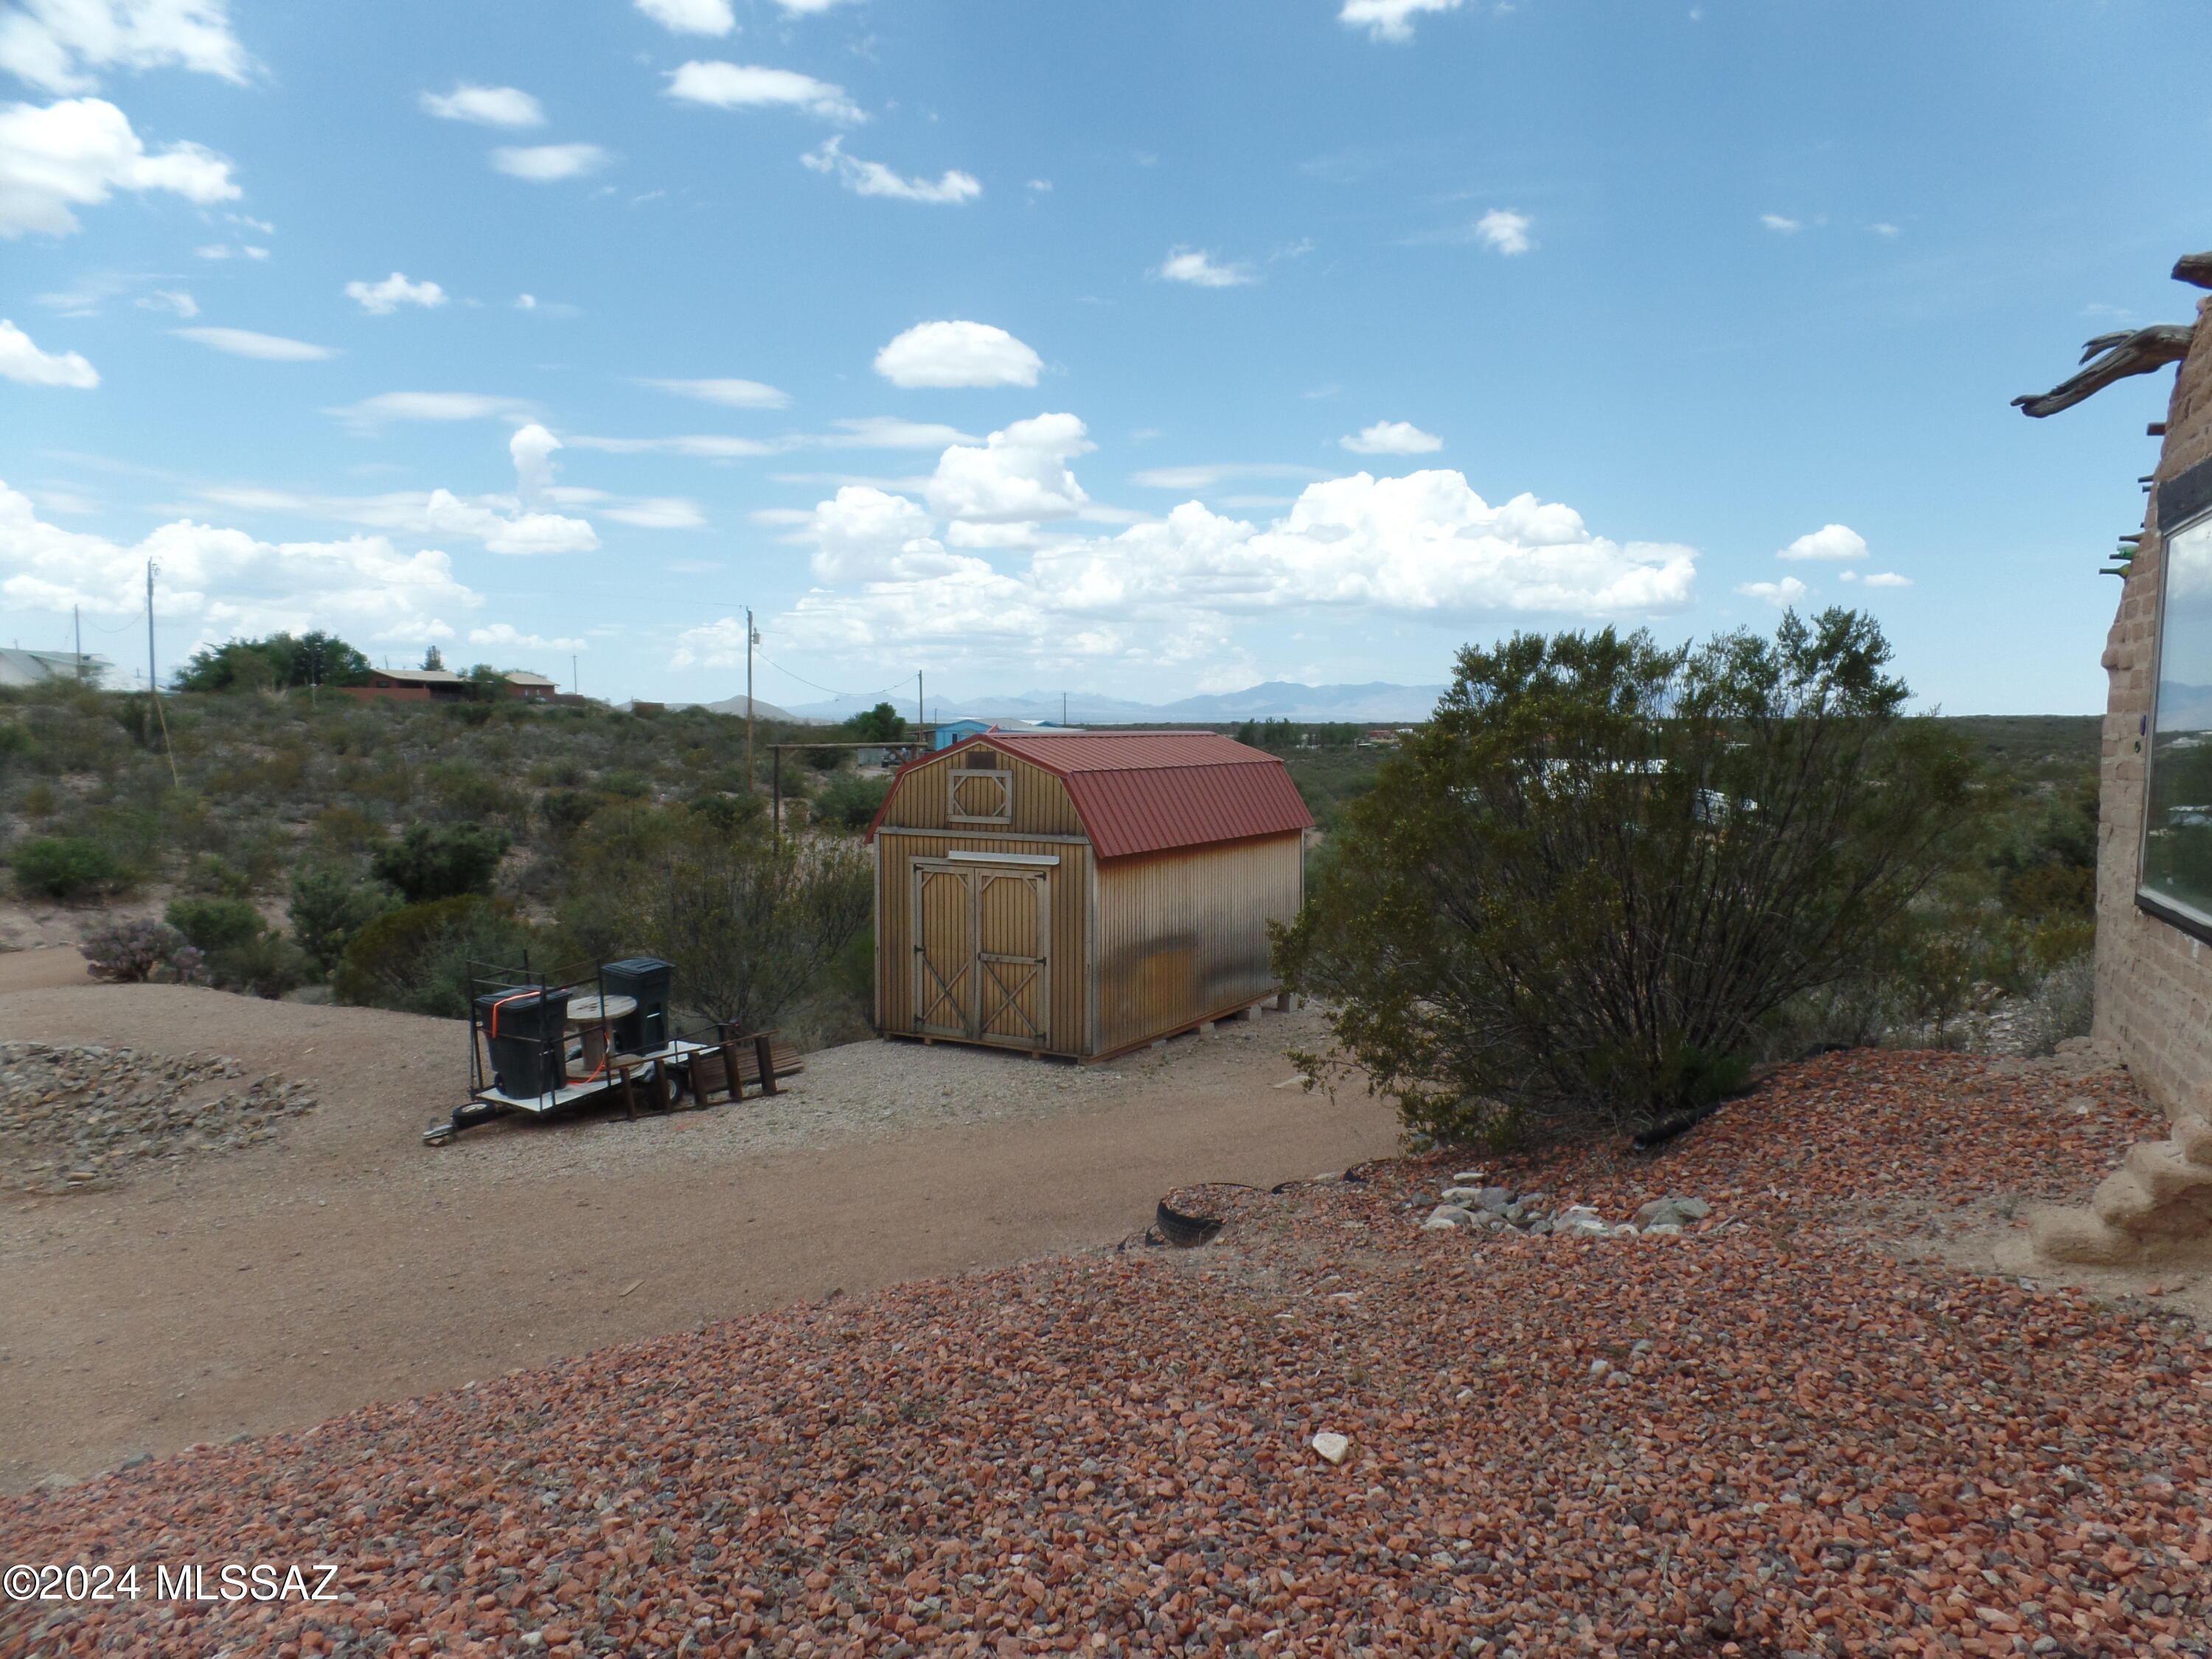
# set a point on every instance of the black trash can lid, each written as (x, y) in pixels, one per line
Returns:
(639, 965)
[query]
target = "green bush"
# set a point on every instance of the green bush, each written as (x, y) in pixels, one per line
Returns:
(417, 959)
(850, 800)
(64, 867)
(267, 965)
(453, 860)
(1577, 895)
(216, 925)
(328, 909)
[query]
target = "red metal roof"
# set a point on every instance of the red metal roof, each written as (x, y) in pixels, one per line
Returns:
(1144, 791)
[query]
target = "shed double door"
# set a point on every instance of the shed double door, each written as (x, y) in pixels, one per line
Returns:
(983, 952)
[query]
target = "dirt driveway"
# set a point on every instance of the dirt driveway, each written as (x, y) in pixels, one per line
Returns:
(272, 1288)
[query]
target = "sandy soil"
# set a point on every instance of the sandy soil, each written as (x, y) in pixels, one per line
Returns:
(347, 1263)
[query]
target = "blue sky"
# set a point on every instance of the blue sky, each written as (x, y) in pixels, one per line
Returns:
(1143, 349)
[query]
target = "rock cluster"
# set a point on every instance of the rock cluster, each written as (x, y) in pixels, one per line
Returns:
(2155, 1205)
(72, 1116)
(1491, 1208)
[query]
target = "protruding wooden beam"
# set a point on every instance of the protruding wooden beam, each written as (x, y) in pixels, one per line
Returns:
(2138, 351)
(2194, 268)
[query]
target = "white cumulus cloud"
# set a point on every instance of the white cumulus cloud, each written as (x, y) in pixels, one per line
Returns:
(1503, 231)
(1018, 475)
(507, 636)
(1197, 268)
(1887, 579)
(499, 522)
(244, 342)
(737, 394)
(1780, 226)
(1392, 438)
(1830, 541)
(78, 152)
(1781, 595)
(545, 164)
(531, 449)
(382, 299)
(54, 45)
(1390, 20)
(429, 406)
(957, 353)
(486, 106)
(753, 86)
(691, 16)
(224, 582)
(22, 360)
(1174, 590)
(874, 178)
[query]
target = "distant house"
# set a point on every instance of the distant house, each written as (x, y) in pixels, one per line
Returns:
(36, 667)
(952, 732)
(443, 685)
(412, 685)
(1381, 737)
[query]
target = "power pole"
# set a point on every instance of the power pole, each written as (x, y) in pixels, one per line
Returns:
(1063, 708)
(752, 639)
(920, 712)
(153, 686)
(576, 682)
(77, 627)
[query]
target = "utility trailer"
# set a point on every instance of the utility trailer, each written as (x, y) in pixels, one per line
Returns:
(541, 1045)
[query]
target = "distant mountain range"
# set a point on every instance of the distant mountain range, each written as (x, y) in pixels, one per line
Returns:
(1275, 700)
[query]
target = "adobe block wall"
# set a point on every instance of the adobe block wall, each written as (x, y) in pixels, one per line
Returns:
(2154, 982)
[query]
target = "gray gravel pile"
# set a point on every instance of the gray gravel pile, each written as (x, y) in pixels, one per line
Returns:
(76, 1116)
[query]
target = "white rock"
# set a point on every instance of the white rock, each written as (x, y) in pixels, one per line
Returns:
(1471, 1178)
(1444, 1218)
(1599, 1367)
(1663, 1230)
(1462, 1195)
(1332, 1448)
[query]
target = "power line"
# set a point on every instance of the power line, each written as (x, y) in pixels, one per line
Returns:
(857, 696)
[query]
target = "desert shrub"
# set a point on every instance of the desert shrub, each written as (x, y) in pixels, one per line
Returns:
(2064, 1006)
(65, 868)
(211, 872)
(564, 773)
(452, 859)
(881, 724)
(327, 910)
(38, 801)
(469, 790)
(626, 786)
(1573, 898)
(130, 952)
(730, 814)
(752, 923)
(564, 811)
(417, 959)
(266, 966)
(216, 925)
(850, 801)
(346, 829)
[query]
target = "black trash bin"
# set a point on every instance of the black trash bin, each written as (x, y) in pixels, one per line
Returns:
(645, 978)
(526, 1032)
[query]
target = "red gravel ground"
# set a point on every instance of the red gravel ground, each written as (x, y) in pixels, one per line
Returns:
(1824, 1448)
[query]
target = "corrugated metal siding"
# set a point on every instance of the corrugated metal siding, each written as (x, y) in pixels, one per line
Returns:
(1070, 1031)
(920, 798)
(1184, 934)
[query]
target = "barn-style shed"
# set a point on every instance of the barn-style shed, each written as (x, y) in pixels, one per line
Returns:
(1081, 893)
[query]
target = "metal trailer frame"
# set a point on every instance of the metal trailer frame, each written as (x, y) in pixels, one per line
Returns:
(667, 1069)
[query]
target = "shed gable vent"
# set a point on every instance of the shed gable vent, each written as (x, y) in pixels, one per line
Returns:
(980, 797)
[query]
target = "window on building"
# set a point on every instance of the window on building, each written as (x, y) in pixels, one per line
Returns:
(2177, 853)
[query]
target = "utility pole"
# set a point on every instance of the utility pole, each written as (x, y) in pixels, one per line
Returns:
(752, 639)
(576, 682)
(1063, 708)
(153, 686)
(77, 627)
(920, 712)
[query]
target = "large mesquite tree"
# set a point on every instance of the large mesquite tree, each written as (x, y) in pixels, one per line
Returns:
(1577, 893)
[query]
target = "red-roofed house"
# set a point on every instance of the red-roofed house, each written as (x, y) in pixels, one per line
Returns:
(1082, 893)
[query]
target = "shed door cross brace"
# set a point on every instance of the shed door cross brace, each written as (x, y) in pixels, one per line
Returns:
(982, 953)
